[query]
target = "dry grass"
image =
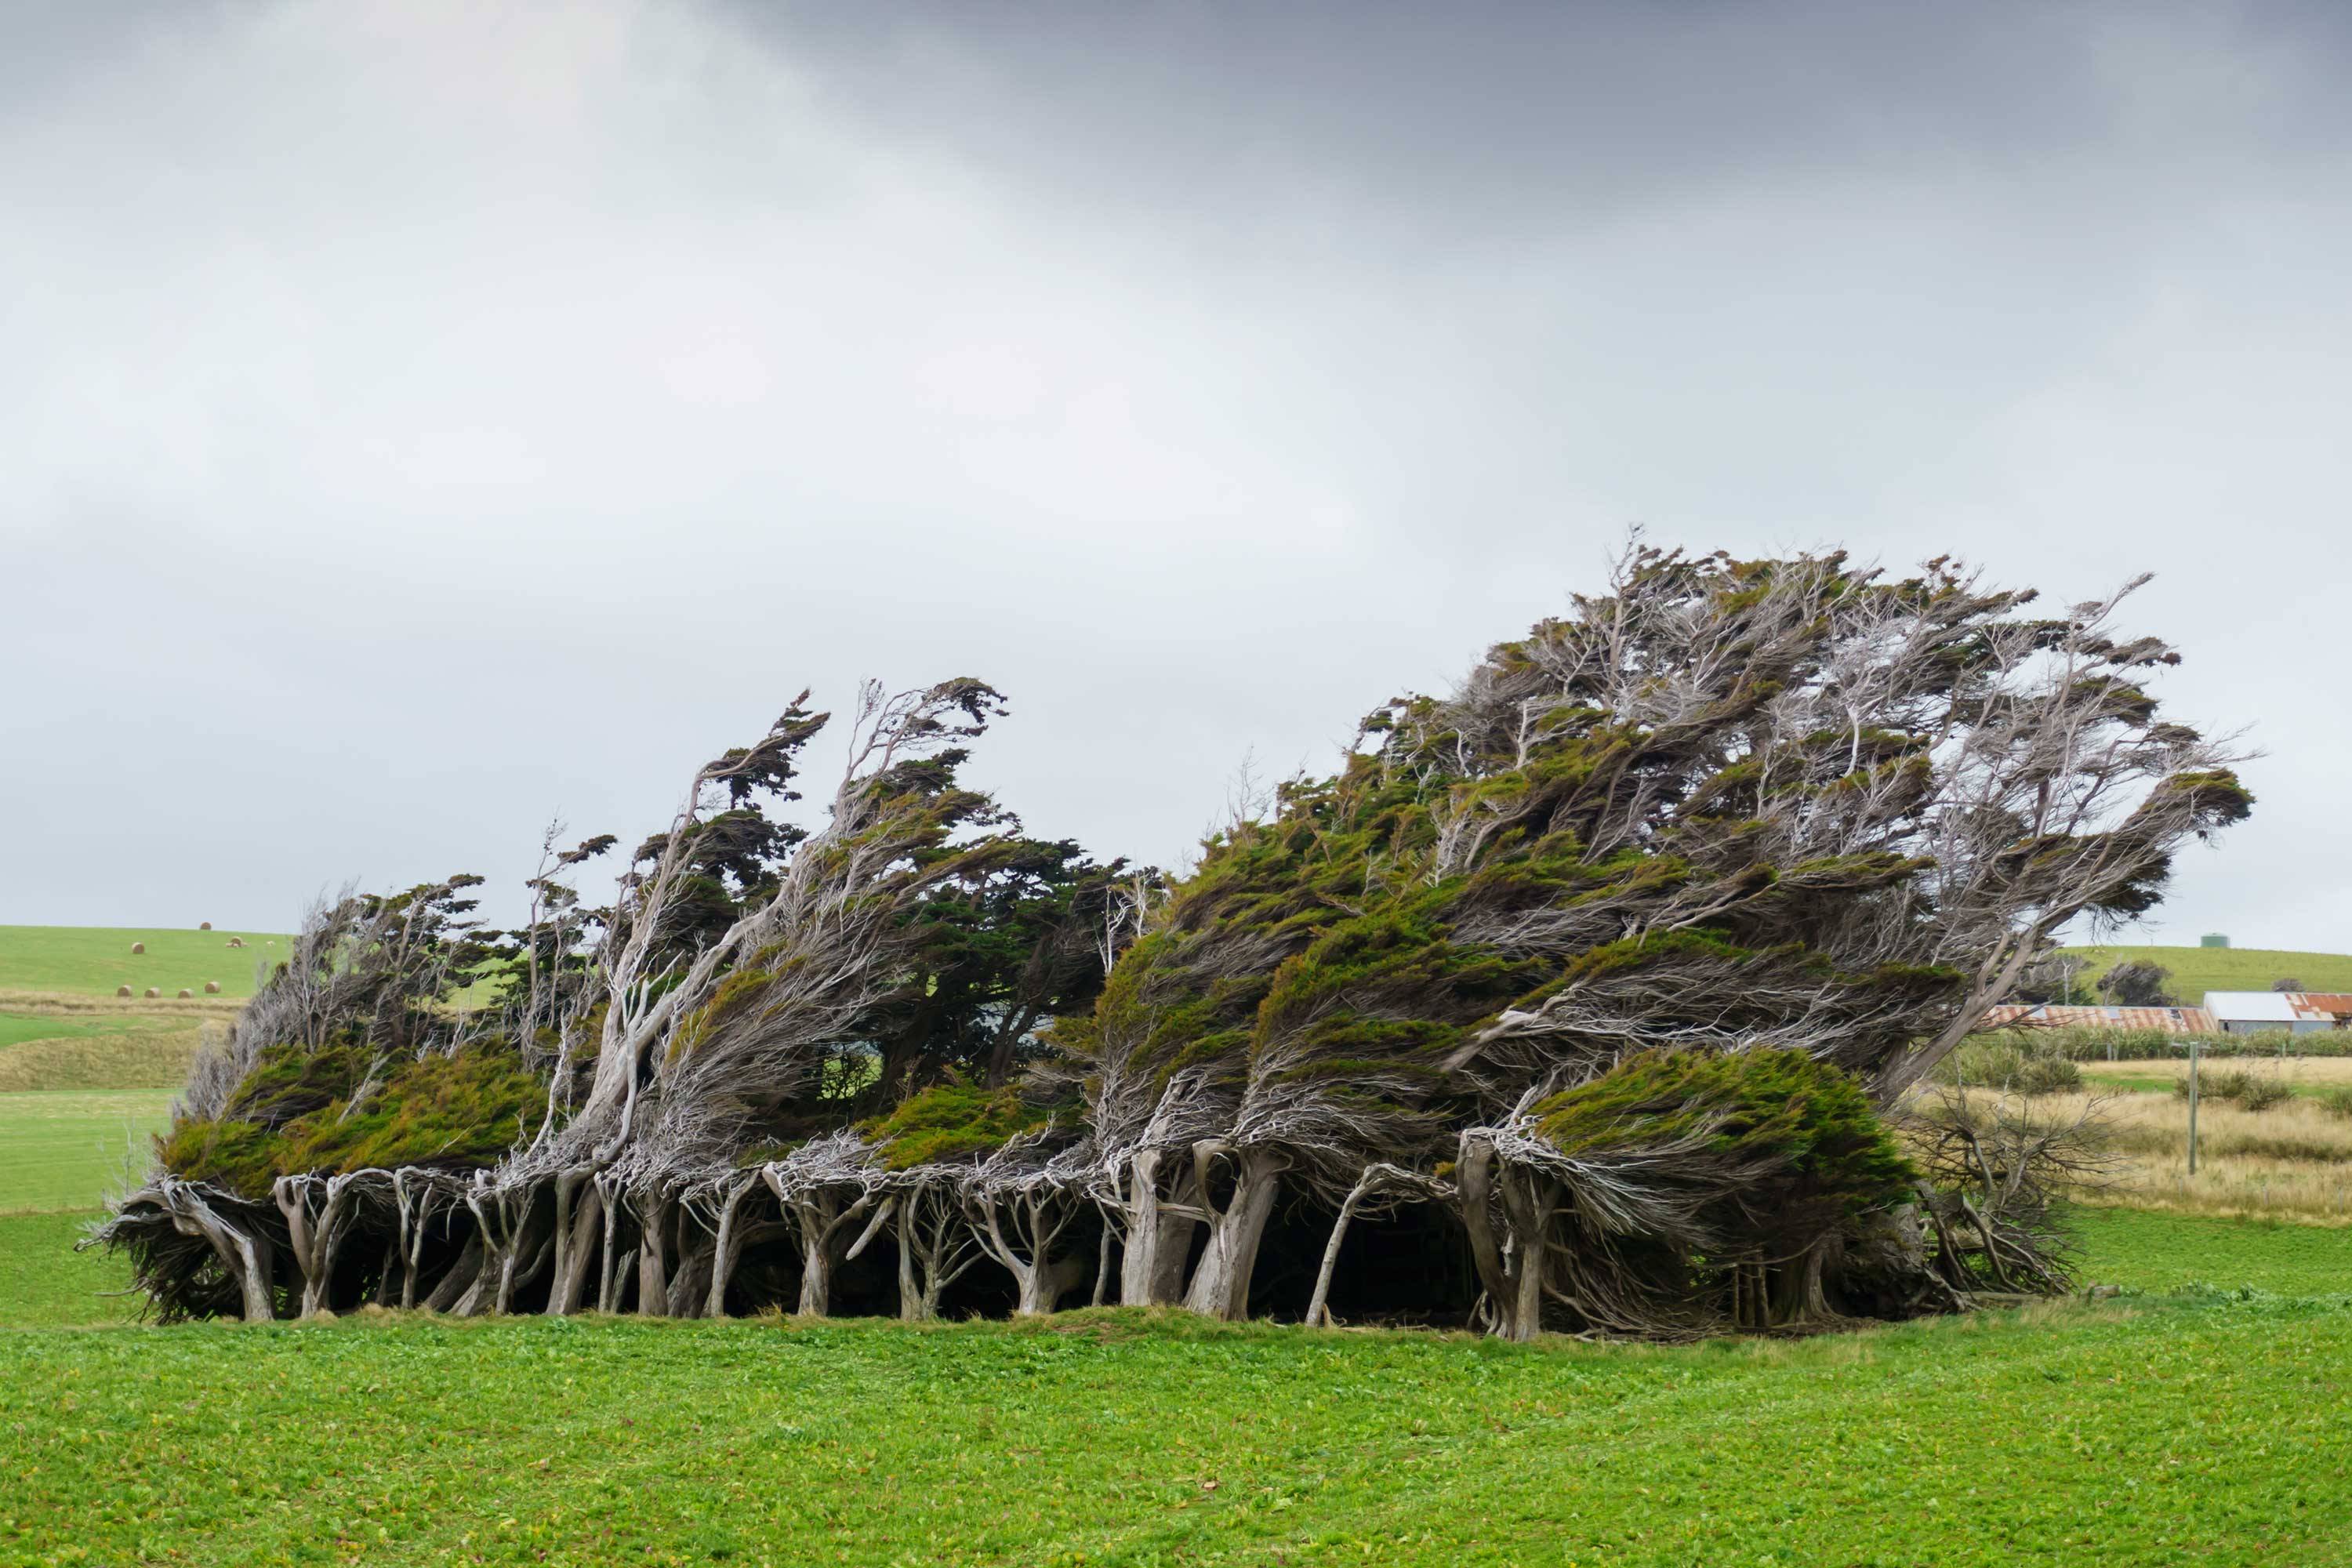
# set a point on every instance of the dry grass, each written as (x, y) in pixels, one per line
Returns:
(155, 1058)
(2291, 1162)
(2296, 1072)
(101, 1043)
(73, 1004)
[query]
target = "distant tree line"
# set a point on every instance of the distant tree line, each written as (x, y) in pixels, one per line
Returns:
(1590, 995)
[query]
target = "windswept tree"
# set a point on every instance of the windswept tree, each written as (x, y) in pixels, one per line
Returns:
(2137, 983)
(1608, 970)
(1729, 805)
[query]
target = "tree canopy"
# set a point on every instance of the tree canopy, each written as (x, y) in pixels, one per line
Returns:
(1592, 982)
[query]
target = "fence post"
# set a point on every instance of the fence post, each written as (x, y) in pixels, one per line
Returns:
(2192, 1106)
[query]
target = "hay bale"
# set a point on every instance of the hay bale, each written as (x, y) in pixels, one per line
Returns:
(122, 991)
(154, 991)
(138, 947)
(203, 925)
(186, 995)
(237, 942)
(212, 987)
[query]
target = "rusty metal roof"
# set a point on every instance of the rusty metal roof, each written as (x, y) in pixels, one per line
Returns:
(2173, 1020)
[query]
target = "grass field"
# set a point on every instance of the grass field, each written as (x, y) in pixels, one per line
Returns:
(2193, 1429)
(62, 1149)
(2310, 1077)
(94, 960)
(2197, 970)
(45, 1283)
(2292, 1161)
(43, 1046)
(2194, 1419)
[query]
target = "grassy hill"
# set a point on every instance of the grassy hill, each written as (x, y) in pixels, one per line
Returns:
(92, 961)
(2197, 970)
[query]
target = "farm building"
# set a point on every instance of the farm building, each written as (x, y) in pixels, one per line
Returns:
(2297, 1012)
(2052, 1015)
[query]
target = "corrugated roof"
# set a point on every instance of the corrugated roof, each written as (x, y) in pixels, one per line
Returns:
(2321, 1003)
(2252, 1006)
(2173, 1020)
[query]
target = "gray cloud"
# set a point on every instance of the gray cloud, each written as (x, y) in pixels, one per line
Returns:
(416, 426)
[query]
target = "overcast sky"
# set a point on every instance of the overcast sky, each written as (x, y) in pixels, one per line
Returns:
(418, 421)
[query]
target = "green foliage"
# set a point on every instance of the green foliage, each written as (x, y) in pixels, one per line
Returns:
(2337, 1100)
(952, 1120)
(2136, 984)
(1804, 1119)
(300, 1112)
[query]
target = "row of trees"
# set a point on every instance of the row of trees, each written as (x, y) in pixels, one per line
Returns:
(1589, 995)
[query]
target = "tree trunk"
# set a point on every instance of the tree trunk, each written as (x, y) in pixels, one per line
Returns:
(728, 1249)
(1318, 1305)
(608, 1283)
(1221, 1284)
(244, 1258)
(1513, 1280)
(576, 1244)
(1151, 1270)
(816, 1271)
(653, 1256)
(917, 1301)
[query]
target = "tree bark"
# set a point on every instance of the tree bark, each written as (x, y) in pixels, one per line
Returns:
(653, 1255)
(579, 1225)
(728, 1248)
(1152, 1268)
(1221, 1282)
(1318, 1305)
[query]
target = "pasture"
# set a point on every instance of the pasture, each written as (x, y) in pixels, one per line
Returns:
(2197, 970)
(2197, 1426)
(92, 961)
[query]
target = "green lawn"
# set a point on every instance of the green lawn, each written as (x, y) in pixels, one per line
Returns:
(94, 960)
(61, 1149)
(2197, 970)
(2203, 1427)
(2143, 1250)
(45, 1283)
(16, 1028)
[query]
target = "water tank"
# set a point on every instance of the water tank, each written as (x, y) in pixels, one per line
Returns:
(2213, 938)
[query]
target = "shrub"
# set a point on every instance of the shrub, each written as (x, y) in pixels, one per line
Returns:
(2337, 1101)
(2249, 1090)
(2009, 1061)
(2048, 1074)
(2262, 1093)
